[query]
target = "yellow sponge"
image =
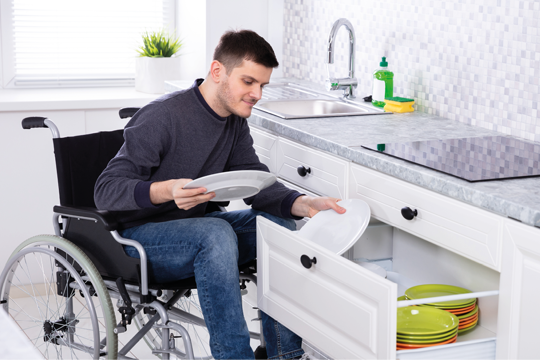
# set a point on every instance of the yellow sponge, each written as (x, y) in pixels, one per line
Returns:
(398, 104)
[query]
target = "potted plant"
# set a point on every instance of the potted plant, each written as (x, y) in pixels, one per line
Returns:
(158, 61)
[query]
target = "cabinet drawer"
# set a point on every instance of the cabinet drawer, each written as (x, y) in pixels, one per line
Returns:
(327, 174)
(349, 312)
(265, 147)
(456, 226)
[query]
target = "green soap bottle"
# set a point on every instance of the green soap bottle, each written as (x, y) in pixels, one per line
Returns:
(383, 84)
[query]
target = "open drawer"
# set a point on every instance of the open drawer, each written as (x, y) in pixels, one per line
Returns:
(344, 310)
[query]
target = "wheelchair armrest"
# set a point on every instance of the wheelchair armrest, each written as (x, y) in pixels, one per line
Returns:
(124, 113)
(105, 217)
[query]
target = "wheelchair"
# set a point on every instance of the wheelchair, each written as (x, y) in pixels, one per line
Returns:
(59, 288)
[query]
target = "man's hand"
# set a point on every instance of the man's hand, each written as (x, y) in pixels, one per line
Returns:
(309, 206)
(185, 199)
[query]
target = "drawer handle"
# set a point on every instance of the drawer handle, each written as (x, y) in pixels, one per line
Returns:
(307, 262)
(302, 171)
(409, 213)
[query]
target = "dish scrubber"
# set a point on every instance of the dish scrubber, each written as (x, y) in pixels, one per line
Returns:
(398, 104)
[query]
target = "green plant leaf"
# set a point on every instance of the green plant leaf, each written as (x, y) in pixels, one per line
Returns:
(159, 44)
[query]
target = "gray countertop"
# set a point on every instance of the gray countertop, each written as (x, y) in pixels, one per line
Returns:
(343, 136)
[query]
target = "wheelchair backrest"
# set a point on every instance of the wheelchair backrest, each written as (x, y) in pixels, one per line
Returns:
(79, 162)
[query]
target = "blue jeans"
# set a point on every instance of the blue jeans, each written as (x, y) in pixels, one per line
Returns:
(211, 248)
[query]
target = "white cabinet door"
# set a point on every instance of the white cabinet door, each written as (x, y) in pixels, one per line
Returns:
(324, 174)
(349, 312)
(265, 147)
(452, 224)
(518, 330)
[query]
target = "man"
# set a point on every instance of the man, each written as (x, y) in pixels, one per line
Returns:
(186, 135)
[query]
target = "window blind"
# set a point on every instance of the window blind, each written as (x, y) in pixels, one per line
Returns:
(80, 42)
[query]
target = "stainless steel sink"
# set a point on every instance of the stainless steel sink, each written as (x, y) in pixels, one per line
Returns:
(315, 108)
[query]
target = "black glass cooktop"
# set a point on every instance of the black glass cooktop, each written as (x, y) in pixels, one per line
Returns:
(472, 159)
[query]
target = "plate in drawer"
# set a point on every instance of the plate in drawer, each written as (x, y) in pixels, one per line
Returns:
(338, 232)
(415, 320)
(434, 290)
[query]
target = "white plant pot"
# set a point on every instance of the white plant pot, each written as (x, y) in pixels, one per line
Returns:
(151, 73)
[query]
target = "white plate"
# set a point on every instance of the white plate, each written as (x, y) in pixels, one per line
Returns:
(338, 232)
(234, 185)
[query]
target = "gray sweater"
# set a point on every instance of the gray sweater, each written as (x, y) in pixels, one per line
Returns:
(180, 136)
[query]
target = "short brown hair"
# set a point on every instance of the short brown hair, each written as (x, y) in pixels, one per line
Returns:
(236, 46)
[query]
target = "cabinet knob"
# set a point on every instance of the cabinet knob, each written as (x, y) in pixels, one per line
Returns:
(307, 262)
(409, 213)
(302, 171)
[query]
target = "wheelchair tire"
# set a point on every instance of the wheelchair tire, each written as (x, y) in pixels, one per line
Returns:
(200, 338)
(55, 294)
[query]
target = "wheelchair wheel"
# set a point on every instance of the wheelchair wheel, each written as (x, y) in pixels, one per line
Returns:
(55, 294)
(200, 338)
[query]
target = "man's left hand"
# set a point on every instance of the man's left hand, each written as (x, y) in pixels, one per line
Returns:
(307, 206)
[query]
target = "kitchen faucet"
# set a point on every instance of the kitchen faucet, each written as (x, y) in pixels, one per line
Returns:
(349, 84)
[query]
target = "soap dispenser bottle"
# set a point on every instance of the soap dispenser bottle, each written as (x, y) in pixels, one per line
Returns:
(383, 84)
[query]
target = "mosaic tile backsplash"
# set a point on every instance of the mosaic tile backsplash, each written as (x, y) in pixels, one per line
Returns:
(474, 61)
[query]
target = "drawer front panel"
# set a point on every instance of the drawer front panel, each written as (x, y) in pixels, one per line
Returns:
(349, 312)
(461, 228)
(265, 147)
(328, 174)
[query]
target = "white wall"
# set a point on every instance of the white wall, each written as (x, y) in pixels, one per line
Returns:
(191, 28)
(201, 24)
(1, 67)
(474, 61)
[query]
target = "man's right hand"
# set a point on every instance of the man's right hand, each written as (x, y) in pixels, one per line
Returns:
(185, 199)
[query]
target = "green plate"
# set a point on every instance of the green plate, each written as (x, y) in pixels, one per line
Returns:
(433, 290)
(465, 331)
(402, 297)
(469, 313)
(453, 307)
(423, 340)
(427, 337)
(416, 320)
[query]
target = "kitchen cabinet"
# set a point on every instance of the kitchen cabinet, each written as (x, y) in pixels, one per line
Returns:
(265, 145)
(311, 169)
(345, 311)
(520, 291)
(470, 232)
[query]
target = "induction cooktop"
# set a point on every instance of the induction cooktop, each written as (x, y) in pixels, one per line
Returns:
(473, 159)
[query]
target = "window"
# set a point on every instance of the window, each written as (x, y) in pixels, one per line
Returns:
(49, 43)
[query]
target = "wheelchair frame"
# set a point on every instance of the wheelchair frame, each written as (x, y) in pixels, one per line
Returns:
(136, 299)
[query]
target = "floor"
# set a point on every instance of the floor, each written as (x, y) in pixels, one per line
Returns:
(27, 310)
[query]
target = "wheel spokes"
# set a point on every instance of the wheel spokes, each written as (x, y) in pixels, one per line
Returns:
(32, 307)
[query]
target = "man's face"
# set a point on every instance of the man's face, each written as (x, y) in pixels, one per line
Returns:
(242, 88)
